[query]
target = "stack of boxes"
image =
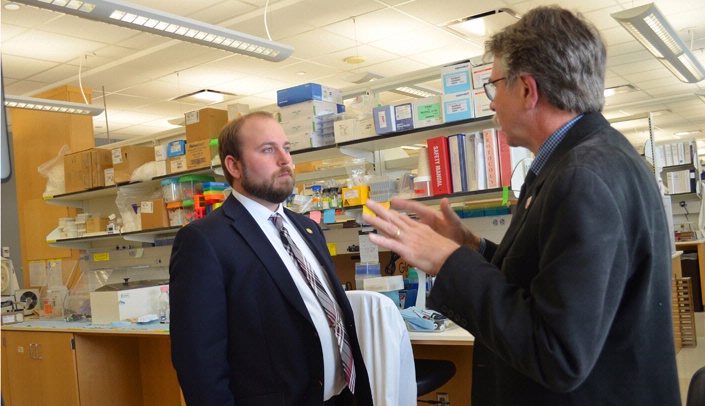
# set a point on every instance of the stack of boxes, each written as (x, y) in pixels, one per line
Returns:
(480, 75)
(307, 114)
(457, 96)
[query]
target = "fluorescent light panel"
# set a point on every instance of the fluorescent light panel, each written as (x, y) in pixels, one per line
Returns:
(140, 18)
(56, 106)
(648, 25)
(611, 91)
(481, 25)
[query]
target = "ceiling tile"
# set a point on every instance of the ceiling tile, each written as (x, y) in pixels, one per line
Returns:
(635, 67)
(443, 56)
(29, 17)
(375, 26)
(51, 47)
(18, 67)
(417, 41)
(316, 43)
(216, 13)
(290, 74)
(252, 85)
(372, 56)
(84, 28)
(430, 10)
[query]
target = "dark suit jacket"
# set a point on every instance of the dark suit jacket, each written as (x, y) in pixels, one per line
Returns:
(240, 332)
(575, 306)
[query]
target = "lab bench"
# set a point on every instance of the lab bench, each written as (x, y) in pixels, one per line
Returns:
(61, 363)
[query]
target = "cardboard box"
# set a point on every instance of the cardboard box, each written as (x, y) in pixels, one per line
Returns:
(457, 106)
(84, 170)
(482, 103)
(481, 75)
(300, 141)
(355, 196)
(198, 155)
(176, 164)
(308, 91)
(128, 158)
(427, 111)
(456, 78)
(404, 117)
(344, 130)
(384, 119)
(309, 108)
(153, 214)
(123, 301)
(96, 224)
(205, 124)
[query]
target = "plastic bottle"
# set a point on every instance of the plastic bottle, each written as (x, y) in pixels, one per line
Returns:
(326, 199)
(110, 229)
(316, 201)
(164, 305)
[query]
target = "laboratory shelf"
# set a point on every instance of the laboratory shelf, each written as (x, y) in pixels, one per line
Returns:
(85, 242)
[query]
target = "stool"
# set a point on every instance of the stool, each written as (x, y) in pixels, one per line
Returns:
(431, 374)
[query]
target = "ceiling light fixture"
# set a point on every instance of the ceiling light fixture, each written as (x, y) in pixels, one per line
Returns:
(140, 18)
(611, 91)
(482, 25)
(654, 32)
(12, 6)
(206, 96)
(682, 133)
(55, 106)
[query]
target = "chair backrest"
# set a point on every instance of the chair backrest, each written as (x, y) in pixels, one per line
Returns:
(385, 347)
(696, 389)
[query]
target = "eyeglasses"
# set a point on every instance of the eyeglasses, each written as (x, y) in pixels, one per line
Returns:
(491, 89)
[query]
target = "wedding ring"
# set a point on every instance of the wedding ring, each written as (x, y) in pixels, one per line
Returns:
(398, 233)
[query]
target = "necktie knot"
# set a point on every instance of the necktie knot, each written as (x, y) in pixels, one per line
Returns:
(277, 220)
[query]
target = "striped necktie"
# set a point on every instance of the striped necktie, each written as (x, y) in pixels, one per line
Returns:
(323, 298)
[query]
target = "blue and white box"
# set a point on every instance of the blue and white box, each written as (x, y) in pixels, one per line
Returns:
(308, 91)
(427, 111)
(457, 106)
(384, 119)
(456, 78)
(404, 117)
(176, 148)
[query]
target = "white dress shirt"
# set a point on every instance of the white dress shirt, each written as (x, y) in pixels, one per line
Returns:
(334, 378)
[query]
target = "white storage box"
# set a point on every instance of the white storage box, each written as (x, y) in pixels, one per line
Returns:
(123, 301)
(384, 283)
(480, 75)
(309, 108)
(482, 103)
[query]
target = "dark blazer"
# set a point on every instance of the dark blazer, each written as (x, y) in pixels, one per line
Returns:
(240, 332)
(575, 306)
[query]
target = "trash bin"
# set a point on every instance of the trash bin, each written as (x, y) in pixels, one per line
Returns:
(691, 269)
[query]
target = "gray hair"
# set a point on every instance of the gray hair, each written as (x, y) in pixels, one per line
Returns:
(561, 50)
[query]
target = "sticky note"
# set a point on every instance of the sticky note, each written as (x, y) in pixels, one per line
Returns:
(333, 249)
(365, 209)
(315, 216)
(329, 216)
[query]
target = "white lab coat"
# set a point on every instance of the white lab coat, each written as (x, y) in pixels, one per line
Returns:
(385, 347)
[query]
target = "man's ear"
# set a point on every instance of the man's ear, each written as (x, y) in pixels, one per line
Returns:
(529, 91)
(233, 166)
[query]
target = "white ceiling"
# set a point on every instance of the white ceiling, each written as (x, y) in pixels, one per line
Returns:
(140, 72)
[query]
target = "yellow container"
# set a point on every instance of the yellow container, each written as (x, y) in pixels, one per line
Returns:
(355, 196)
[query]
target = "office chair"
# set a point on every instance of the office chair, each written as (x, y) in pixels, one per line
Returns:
(431, 374)
(386, 348)
(696, 389)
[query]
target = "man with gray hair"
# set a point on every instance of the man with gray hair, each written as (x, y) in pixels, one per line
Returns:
(573, 307)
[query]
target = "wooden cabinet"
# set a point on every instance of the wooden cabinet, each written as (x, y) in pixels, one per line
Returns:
(41, 369)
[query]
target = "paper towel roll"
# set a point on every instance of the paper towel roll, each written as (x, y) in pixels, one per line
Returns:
(423, 165)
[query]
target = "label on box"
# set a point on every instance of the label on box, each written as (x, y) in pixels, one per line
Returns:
(457, 79)
(403, 112)
(429, 111)
(117, 156)
(178, 165)
(109, 176)
(351, 194)
(192, 117)
(382, 119)
(160, 153)
(147, 207)
(175, 148)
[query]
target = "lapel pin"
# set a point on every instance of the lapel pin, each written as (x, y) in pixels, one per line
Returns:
(308, 230)
(528, 202)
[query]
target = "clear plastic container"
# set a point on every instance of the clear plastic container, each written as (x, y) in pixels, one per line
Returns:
(171, 189)
(176, 214)
(422, 186)
(164, 311)
(193, 185)
(189, 212)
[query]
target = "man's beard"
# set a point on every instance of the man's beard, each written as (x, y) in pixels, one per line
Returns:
(270, 191)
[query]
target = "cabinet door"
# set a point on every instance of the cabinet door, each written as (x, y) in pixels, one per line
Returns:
(42, 368)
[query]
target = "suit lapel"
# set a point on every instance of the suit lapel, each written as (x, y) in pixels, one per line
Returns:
(247, 227)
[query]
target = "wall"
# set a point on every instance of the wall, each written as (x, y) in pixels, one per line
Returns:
(9, 221)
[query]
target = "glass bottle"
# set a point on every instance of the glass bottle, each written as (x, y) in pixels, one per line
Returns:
(164, 311)
(326, 199)
(316, 200)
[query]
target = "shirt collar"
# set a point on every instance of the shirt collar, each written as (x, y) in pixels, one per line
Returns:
(546, 150)
(260, 213)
